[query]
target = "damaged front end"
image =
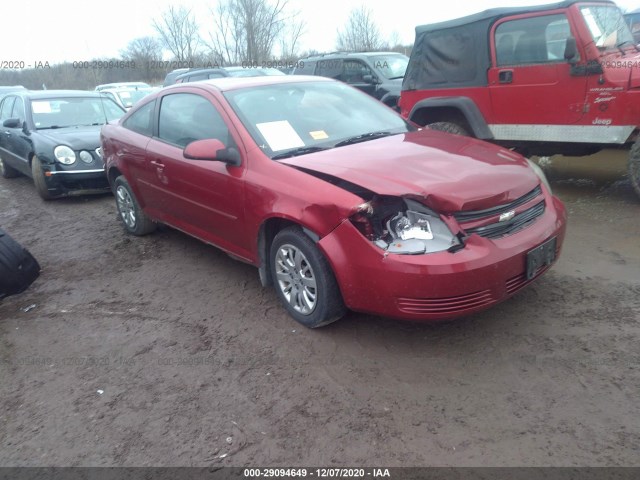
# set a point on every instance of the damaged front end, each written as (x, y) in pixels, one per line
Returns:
(404, 226)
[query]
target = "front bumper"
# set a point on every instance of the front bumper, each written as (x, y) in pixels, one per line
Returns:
(437, 286)
(67, 182)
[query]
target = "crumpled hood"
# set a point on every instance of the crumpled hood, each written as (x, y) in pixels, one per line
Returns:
(78, 138)
(449, 173)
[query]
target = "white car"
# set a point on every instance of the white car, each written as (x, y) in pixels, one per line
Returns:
(105, 86)
(127, 97)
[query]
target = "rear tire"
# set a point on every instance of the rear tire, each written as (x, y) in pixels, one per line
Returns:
(449, 127)
(134, 220)
(39, 181)
(634, 167)
(6, 171)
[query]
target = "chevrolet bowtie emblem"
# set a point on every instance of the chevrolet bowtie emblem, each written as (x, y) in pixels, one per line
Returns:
(507, 216)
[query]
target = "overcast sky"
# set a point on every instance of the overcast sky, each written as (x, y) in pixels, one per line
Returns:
(67, 30)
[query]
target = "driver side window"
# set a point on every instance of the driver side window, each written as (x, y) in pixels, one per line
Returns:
(18, 110)
(532, 40)
(354, 72)
(7, 106)
(186, 117)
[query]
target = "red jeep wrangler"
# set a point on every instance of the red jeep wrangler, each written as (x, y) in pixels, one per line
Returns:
(553, 79)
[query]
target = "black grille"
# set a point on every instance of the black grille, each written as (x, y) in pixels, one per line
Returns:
(463, 217)
(500, 229)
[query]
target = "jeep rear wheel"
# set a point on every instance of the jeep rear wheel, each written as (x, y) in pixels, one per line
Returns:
(634, 166)
(449, 127)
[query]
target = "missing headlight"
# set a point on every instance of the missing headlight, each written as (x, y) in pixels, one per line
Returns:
(404, 226)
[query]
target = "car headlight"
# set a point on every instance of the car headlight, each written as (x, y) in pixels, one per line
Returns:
(64, 155)
(413, 231)
(86, 157)
(543, 178)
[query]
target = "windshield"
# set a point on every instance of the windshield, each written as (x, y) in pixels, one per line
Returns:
(73, 112)
(391, 66)
(607, 26)
(311, 115)
(131, 97)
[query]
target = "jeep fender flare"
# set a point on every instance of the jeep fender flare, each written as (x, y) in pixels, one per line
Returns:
(462, 105)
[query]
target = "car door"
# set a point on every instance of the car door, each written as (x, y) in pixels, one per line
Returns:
(19, 139)
(202, 197)
(15, 142)
(530, 81)
(6, 107)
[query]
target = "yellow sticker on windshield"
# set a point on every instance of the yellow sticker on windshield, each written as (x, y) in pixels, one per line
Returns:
(319, 135)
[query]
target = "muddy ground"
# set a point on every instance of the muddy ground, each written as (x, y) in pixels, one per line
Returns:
(163, 351)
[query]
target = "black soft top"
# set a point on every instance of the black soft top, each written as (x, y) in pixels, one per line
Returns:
(455, 53)
(494, 14)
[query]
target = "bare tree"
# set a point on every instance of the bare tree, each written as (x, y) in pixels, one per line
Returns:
(360, 33)
(179, 33)
(246, 31)
(290, 37)
(145, 53)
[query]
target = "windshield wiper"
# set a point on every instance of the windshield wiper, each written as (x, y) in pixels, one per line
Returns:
(362, 138)
(53, 127)
(298, 151)
(620, 45)
(396, 78)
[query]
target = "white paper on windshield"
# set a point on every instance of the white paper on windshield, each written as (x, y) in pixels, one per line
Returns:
(280, 135)
(125, 95)
(41, 107)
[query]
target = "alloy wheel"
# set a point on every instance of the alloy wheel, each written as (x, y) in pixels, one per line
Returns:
(296, 279)
(126, 207)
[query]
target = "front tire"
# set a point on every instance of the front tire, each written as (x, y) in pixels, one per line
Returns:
(303, 280)
(39, 181)
(634, 167)
(449, 127)
(7, 171)
(134, 220)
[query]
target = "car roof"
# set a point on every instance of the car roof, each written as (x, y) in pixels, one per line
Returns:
(125, 89)
(11, 88)
(350, 54)
(236, 83)
(496, 13)
(120, 84)
(37, 94)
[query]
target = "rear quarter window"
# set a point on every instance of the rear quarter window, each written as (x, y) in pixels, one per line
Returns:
(142, 120)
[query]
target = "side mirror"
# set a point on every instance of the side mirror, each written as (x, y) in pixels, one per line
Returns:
(212, 149)
(12, 123)
(571, 50)
(369, 79)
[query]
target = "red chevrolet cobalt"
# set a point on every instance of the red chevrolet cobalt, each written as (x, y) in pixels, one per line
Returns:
(337, 200)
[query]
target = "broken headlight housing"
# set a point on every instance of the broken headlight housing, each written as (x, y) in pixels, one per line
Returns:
(404, 227)
(538, 171)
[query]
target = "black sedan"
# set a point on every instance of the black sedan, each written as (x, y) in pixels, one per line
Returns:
(53, 136)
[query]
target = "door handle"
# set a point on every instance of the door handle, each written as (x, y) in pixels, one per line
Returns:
(157, 163)
(505, 76)
(8, 134)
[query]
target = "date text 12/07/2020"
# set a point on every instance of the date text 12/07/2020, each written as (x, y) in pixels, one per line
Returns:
(316, 472)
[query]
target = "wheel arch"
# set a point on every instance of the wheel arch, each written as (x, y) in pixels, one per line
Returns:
(112, 174)
(266, 233)
(461, 110)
